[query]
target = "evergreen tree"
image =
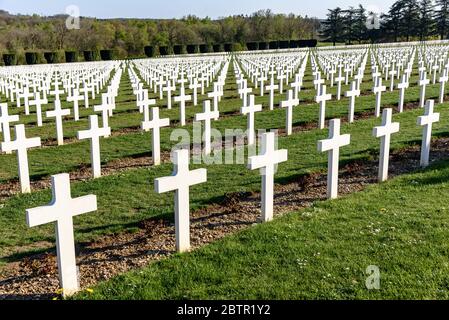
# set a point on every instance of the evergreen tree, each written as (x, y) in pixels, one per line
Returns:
(391, 21)
(350, 25)
(332, 28)
(409, 23)
(360, 24)
(442, 18)
(426, 19)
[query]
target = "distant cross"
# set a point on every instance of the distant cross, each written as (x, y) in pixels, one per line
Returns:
(352, 94)
(38, 102)
(339, 81)
(207, 116)
(333, 145)
(156, 124)
(296, 85)
(215, 95)
(281, 77)
(321, 98)
(195, 86)
(443, 79)
(271, 88)
(244, 93)
(145, 104)
(267, 161)
(169, 88)
(392, 73)
(378, 89)
(5, 120)
(182, 99)
(402, 86)
(250, 110)
(426, 122)
(61, 210)
(21, 144)
(94, 133)
(57, 92)
(58, 114)
(423, 82)
(289, 104)
(262, 80)
(75, 98)
(104, 108)
(180, 182)
(384, 132)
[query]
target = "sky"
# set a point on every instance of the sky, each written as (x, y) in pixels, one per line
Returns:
(165, 9)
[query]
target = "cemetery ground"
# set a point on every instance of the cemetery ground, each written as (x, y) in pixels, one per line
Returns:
(303, 254)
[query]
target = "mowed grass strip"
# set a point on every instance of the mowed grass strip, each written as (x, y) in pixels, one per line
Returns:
(317, 253)
(128, 198)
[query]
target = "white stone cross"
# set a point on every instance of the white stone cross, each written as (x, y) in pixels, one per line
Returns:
(75, 98)
(267, 161)
(339, 81)
(271, 88)
(384, 132)
(443, 79)
(156, 124)
(58, 113)
(289, 104)
(182, 99)
(207, 116)
(145, 104)
(244, 91)
(61, 210)
(402, 86)
(169, 88)
(423, 82)
(38, 102)
(378, 89)
(105, 109)
(195, 86)
(352, 94)
(94, 133)
(321, 98)
(5, 120)
(427, 122)
(21, 144)
(333, 145)
(250, 110)
(180, 182)
(215, 95)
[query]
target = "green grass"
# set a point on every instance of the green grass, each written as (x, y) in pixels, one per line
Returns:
(317, 253)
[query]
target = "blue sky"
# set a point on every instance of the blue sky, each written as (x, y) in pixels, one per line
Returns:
(180, 8)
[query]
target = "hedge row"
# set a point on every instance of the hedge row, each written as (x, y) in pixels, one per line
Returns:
(31, 58)
(151, 51)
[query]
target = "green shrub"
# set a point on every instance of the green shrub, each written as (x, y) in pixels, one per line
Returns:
(149, 51)
(71, 56)
(106, 55)
(31, 58)
(51, 57)
(90, 55)
(9, 59)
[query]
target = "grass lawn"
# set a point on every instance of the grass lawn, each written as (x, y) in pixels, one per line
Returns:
(318, 253)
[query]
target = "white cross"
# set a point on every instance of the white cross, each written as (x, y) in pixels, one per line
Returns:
(94, 133)
(75, 98)
(443, 79)
(145, 104)
(105, 109)
(195, 86)
(267, 161)
(384, 132)
(321, 98)
(378, 89)
(38, 102)
(402, 86)
(5, 120)
(244, 93)
(352, 94)
(423, 82)
(427, 121)
(339, 81)
(262, 80)
(180, 182)
(21, 144)
(182, 99)
(296, 85)
(156, 124)
(207, 116)
(281, 78)
(271, 88)
(250, 110)
(392, 73)
(169, 89)
(333, 145)
(215, 95)
(58, 113)
(289, 104)
(57, 92)
(61, 210)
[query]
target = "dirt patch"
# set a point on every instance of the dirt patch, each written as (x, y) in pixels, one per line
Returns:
(36, 277)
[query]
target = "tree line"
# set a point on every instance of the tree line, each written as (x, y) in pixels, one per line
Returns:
(128, 37)
(406, 20)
